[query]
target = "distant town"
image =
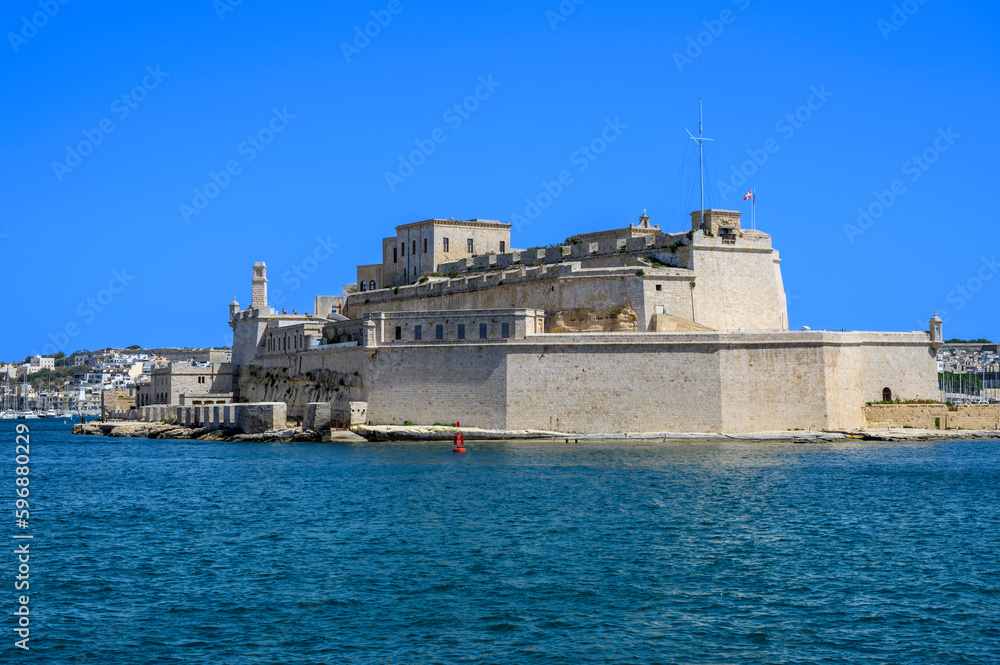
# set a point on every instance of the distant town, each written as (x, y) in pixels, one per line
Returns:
(969, 371)
(94, 383)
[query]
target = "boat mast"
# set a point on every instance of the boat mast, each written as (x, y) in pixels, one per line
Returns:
(700, 140)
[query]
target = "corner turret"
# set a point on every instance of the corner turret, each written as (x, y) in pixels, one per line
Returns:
(937, 337)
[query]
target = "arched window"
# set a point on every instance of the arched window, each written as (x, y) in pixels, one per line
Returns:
(886, 395)
(364, 286)
(371, 285)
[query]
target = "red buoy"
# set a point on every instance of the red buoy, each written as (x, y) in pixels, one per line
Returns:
(459, 441)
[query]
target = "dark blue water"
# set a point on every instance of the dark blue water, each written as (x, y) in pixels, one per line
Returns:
(185, 552)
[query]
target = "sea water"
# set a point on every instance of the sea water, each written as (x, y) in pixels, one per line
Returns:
(601, 552)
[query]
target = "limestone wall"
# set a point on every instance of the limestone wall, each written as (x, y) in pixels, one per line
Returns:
(738, 287)
(933, 416)
(330, 375)
(606, 383)
(586, 384)
(442, 383)
(249, 418)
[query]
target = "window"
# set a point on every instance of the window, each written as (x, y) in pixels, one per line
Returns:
(505, 330)
(425, 245)
(482, 331)
(471, 246)
(659, 287)
(446, 245)
(418, 332)
(439, 331)
(399, 332)
(886, 395)
(503, 247)
(371, 285)
(402, 249)
(461, 331)
(414, 247)
(364, 287)
(395, 257)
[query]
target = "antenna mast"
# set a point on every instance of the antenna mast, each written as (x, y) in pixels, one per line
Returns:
(700, 140)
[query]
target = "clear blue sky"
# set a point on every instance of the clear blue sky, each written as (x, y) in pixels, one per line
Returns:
(111, 220)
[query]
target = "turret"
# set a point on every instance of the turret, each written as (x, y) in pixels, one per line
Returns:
(937, 338)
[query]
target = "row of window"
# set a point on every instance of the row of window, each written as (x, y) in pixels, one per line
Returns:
(418, 331)
(470, 247)
(281, 343)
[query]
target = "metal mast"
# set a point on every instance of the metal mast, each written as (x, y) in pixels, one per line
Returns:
(700, 140)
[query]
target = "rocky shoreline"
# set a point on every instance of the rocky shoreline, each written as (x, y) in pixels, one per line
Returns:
(415, 433)
(166, 431)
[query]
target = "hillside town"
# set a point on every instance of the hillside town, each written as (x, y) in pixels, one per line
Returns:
(969, 372)
(91, 384)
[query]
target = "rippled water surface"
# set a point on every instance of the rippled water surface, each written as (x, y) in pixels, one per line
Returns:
(187, 552)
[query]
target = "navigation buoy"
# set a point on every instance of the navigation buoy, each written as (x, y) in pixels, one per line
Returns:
(459, 442)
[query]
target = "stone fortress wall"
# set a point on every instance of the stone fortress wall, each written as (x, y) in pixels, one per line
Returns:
(933, 416)
(598, 382)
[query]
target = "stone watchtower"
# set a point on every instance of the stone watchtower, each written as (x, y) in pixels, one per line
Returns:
(258, 299)
(248, 327)
(937, 335)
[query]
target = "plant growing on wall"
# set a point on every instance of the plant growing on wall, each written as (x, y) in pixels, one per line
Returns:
(640, 272)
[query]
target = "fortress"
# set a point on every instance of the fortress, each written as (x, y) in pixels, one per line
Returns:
(625, 330)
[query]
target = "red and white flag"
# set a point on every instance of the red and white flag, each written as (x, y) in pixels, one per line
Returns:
(749, 195)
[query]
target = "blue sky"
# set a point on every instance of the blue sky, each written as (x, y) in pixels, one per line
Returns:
(835, 100)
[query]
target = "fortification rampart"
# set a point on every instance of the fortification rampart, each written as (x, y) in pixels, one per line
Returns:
(613, 382)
